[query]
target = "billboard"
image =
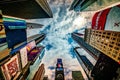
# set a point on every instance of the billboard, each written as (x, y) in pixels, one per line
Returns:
(113, 19)
(33, 53)
(30, 46)
(15, 31)
(15, 37)
(107, 19)
(11, 67)
(23, 55)
(99, 19)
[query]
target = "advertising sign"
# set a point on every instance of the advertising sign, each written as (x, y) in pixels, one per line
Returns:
(11, 68)
(23, 55)
(99, 19)
(15, 37)
(14, 25)
(30, 46)
(113, 19)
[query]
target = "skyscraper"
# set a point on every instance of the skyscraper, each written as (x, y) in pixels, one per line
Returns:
(59, 70)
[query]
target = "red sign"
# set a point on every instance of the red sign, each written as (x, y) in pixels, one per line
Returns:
(99, 19)
(11, 68)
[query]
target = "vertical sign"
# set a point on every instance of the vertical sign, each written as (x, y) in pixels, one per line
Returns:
(23, 55)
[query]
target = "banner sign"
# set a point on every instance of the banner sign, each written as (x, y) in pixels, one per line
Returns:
(99, 19)
(14, 25)
(2, 31)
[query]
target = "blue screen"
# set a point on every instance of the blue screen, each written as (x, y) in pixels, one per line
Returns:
(15, 37)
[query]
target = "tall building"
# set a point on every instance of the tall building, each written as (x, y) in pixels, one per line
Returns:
(101, 41)
(103, 67)
(59, 70)
(30, 9)
(45, 77)
(87, 56)
(76, 75)
(79, 5)
(80, 40)
(19, 53)
(40, 73)
(34, 25)
(92, 5)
